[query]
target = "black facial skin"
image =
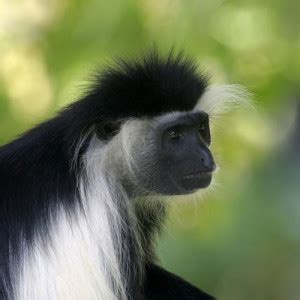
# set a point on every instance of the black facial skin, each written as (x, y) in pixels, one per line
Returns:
(185, 162)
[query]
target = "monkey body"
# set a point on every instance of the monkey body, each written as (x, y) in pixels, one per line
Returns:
(76, 216)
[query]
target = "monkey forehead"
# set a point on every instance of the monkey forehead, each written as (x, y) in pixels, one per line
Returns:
(216, 100)
(187, 117)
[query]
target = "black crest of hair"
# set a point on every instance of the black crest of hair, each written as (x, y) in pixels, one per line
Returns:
(37, 170)
(149, 85)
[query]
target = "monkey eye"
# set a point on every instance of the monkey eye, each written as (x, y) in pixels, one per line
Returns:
(175, 133)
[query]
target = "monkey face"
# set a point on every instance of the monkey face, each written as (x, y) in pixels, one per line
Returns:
(179, 160)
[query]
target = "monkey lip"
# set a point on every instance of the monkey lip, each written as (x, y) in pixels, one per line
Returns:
(196, 180)
(198, 175)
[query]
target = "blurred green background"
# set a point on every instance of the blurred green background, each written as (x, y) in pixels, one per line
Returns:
(241, 239)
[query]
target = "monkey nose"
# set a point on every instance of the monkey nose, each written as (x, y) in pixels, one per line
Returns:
(208, 162)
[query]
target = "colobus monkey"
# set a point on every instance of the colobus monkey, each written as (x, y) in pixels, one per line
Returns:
(78, 211)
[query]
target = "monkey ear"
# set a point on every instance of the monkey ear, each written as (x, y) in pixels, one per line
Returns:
(219, 99)
(107, 129)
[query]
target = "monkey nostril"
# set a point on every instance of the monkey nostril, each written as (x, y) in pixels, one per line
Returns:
(208, 163)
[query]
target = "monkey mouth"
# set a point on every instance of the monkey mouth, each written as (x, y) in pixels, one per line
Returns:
(197, 180)
(199, 175)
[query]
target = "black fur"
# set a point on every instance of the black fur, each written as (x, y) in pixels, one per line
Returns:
(148, 86)
(163, 285)
(36, 169)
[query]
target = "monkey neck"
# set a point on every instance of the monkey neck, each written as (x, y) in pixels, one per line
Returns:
(150, 214)
(144, 216)
(106, 193)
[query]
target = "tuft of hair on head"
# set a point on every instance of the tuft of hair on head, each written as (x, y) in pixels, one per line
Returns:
(149, 85)
(220, 99)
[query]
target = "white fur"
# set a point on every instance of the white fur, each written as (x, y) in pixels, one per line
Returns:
(135, 140)
(219, 99)
(80, 261)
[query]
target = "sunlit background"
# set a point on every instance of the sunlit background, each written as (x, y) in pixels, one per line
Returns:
(242, 240)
